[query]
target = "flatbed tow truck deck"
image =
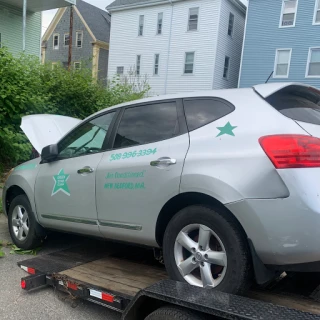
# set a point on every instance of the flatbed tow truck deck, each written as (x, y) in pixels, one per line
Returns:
(131, 281)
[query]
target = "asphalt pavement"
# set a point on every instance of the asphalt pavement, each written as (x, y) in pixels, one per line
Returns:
(44, 303)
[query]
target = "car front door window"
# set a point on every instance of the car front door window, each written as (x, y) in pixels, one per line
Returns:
(87, 139)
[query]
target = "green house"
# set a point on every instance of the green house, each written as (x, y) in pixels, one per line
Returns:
(22, 32)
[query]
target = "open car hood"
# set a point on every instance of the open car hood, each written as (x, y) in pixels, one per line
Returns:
(45, 129)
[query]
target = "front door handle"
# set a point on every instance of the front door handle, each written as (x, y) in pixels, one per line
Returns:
(163, 162)
(85, 170)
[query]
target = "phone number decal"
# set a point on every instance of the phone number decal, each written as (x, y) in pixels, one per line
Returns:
(132, 154)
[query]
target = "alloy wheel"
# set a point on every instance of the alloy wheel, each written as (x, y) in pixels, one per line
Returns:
(200, 256)
(20, 222)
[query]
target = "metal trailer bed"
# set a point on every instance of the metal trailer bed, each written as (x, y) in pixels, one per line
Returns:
(131, 282)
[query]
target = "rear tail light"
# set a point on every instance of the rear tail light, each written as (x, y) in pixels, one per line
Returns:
(292, 151)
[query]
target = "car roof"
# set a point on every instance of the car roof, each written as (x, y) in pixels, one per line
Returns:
(211, 93)
(223, 93)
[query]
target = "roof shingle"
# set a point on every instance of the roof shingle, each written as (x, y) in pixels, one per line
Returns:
(97, 19)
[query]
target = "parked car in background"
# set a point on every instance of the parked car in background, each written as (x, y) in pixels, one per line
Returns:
(224, 181)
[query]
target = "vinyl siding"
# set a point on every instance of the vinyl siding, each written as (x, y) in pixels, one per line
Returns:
(229, 46)
(263, 37)
(202, 42)
(125, 45)
(11, 30)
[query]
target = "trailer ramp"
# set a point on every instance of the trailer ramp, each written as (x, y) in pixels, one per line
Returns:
(129, 280)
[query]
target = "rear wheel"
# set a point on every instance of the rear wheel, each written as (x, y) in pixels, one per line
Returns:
(166, 313)
(205, 248)
(23, 227)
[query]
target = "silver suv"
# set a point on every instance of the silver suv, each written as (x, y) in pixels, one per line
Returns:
(225, 182)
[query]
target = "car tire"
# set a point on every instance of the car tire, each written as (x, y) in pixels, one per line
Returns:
(177, 313)
(224, 254)
(25, 231)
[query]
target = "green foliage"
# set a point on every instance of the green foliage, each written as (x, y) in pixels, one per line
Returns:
(27, 87)
(17, 250)
(14, 146)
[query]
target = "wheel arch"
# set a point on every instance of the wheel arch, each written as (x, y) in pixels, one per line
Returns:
(183, 200)
(11, 193)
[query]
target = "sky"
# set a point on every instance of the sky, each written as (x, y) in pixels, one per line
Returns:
(47, 16)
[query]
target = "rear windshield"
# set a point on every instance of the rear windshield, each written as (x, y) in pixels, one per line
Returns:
(297, 103)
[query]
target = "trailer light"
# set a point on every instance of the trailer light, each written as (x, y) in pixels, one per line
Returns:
(107, 297)
(72, 286)
(23, 284)
(29, 270)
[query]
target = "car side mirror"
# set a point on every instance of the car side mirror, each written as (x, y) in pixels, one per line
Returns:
(50, 152)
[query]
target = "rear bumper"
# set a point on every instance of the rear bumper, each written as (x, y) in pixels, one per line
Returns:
(286, 232)
(282, 232)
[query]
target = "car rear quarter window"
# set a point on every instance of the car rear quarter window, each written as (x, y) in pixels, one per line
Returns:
(201, 111)
(147, 123)
(297, 103)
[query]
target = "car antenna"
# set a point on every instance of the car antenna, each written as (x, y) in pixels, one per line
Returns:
(269, 77)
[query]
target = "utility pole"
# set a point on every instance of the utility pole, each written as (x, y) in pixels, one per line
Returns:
(70, 38)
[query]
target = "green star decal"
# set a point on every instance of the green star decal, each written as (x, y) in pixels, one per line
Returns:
(227, 129)
(61, 183)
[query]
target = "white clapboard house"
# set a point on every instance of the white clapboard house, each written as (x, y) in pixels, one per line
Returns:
(180, 45)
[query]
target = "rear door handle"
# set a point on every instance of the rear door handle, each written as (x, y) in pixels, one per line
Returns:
(85, 170)
(163, 162)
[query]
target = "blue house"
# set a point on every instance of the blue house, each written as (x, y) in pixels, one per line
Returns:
(282, 39)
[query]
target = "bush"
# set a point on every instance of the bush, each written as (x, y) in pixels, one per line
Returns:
(27, 87)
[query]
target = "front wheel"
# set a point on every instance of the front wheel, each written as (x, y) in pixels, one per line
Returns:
(23, 227)
(206, 248)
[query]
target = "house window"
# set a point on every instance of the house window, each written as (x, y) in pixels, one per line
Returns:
(56, 37)
(66, 39)
(282, 63)
(226, 67)
(159, 24)
(138, 65)
(193, 19)
(141, 23)
(313, 66)
(189, 63)
(289, 13)
(156, 64)
(231, 23)
(120, 70)
(77, 65)
(316, 19)
(54, 65)
(79, 39)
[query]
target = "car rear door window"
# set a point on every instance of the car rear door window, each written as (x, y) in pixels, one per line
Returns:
(147, 123)
(297, 103)
(200, 112)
